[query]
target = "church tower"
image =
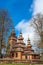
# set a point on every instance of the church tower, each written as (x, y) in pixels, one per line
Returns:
(20, 40)
(12, 38)
(19, 47)
(29, 46)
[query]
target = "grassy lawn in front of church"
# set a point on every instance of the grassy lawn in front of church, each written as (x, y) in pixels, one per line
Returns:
(18, 64)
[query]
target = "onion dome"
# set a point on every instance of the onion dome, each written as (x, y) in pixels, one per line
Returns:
(13, 32)
(20, 42)
(29, 44)
(20, 36)
(13, 36)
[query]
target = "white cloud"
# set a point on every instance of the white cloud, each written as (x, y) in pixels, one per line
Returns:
(31, 7)
(23, 25)
(38, 6)
(26, 30)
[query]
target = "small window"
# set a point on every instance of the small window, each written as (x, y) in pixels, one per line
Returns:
(34, 57)
(12, 54)
(26, 57)
(16, 54)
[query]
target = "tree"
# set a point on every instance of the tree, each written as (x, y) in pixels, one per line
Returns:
(5, 26)
(8, 47)
(37, 24)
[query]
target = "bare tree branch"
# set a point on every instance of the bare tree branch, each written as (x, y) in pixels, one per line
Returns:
(37, 24)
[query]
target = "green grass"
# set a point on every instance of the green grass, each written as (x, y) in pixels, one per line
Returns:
(18, 64)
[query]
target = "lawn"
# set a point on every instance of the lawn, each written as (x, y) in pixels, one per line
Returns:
(19, 64)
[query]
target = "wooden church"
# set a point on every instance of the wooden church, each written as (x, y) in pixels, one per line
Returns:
(19, 50)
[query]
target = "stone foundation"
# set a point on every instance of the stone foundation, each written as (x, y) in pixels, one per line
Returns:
(20, 61)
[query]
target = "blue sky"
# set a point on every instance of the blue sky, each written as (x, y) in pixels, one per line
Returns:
(21, 11)
(18, 9)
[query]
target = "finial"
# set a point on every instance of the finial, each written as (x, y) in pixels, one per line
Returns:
(28, 39)
(20, 31)
(20, 37)
(13, 28)
(13, 32)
